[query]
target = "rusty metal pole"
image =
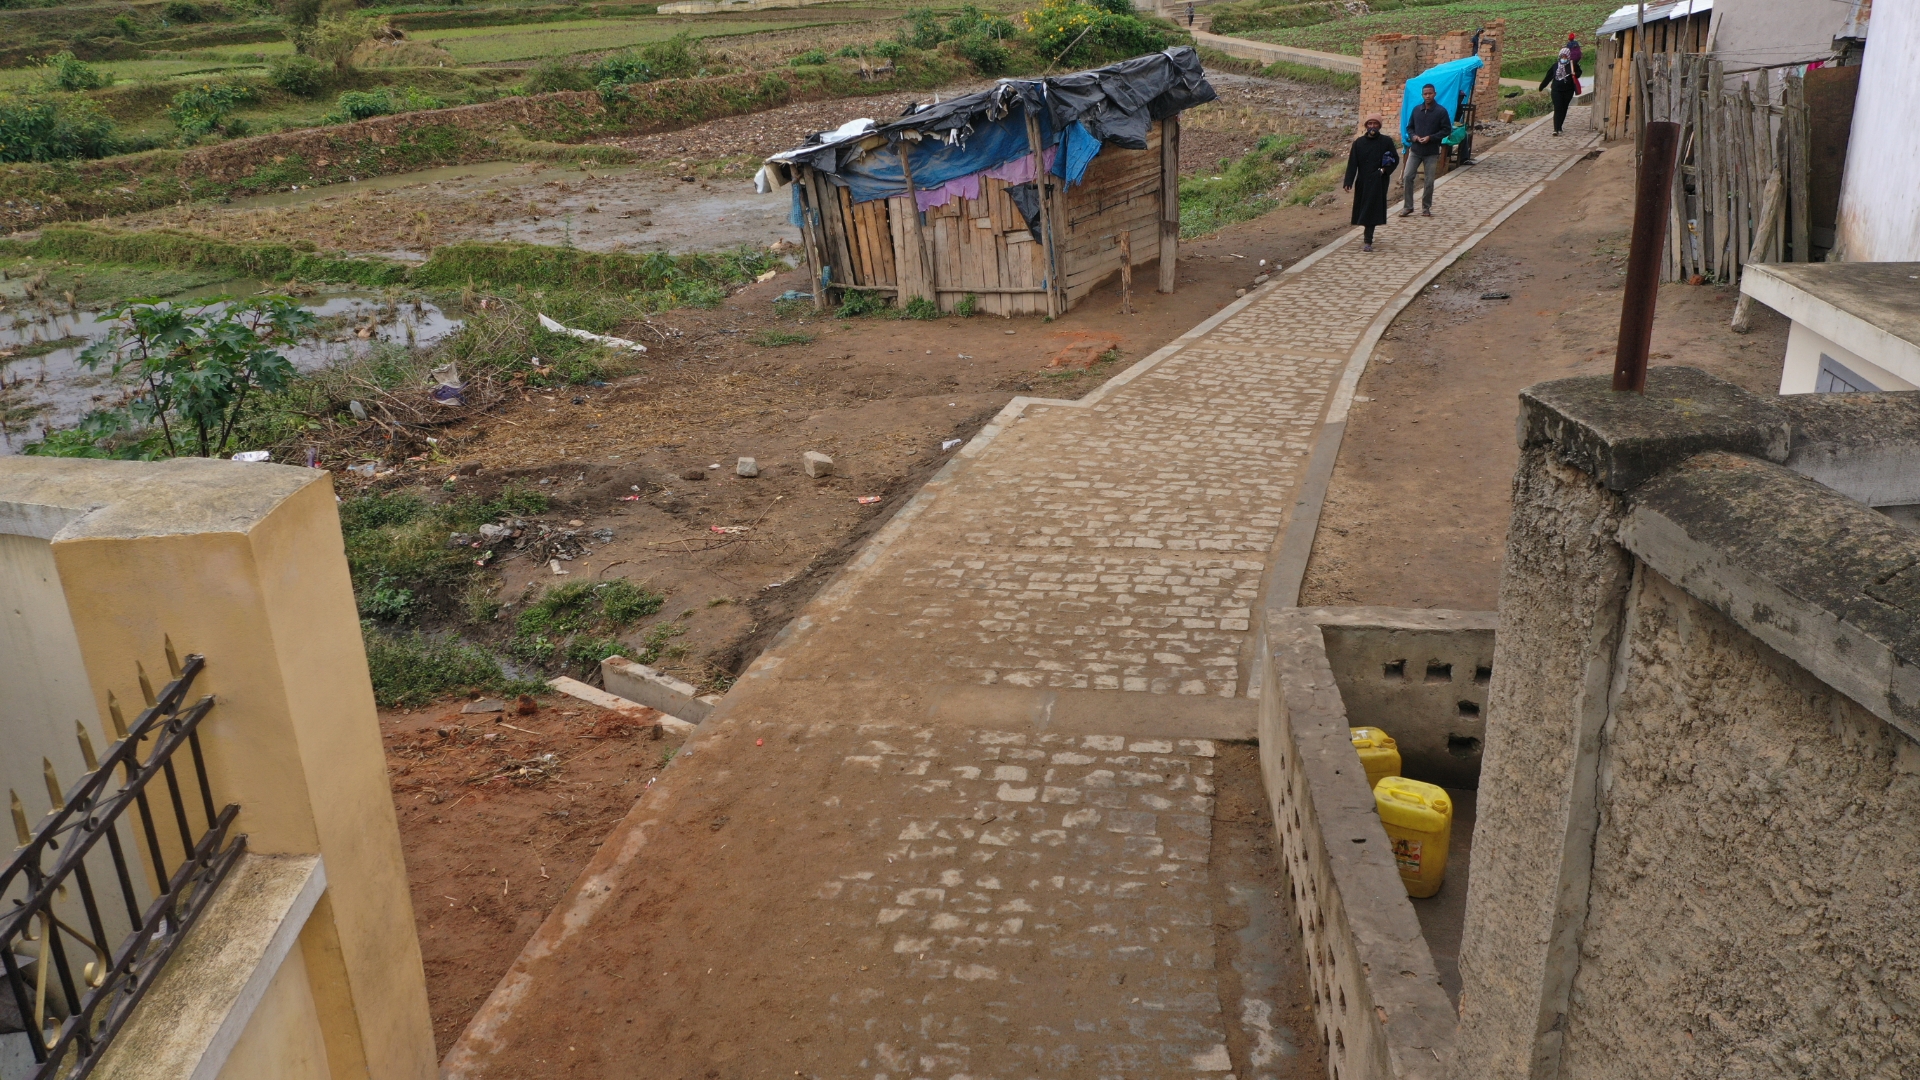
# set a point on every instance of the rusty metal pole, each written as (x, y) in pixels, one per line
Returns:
(1651, 206)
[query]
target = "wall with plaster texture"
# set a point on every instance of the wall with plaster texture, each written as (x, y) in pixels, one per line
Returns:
(1756, 876)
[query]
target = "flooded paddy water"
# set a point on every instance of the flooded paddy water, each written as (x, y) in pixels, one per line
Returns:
(405, 216)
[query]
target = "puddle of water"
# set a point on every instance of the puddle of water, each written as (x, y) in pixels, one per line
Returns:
(54, 390)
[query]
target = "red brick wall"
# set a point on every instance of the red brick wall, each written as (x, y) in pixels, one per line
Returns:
(1387, 61)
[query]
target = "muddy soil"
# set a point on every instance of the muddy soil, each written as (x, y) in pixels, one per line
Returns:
(1416, 513)
(499, 812)
(885, 398)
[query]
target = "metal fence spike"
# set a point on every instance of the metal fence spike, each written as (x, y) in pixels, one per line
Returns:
(53, 784)
(86, 746)
(173, 658)
(119, 721)
(146, 688)
(20, 819)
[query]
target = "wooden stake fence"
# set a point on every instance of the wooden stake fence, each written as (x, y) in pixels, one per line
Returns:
(1732, 139)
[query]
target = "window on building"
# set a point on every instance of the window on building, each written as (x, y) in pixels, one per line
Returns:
(1838, 378)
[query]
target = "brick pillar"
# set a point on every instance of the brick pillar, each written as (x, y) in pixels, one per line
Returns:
(1387, 61)
(1486, 89)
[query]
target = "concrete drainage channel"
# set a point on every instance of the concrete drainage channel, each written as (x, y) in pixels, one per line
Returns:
(1382, 967)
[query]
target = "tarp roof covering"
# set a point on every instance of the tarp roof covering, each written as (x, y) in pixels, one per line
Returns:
(979, 131)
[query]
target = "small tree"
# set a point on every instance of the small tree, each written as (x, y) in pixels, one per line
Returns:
(198, 364)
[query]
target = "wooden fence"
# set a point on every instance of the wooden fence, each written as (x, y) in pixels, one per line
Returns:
(1740, 194)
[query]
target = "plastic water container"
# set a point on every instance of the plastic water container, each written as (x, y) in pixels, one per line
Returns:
(1419, 821)
(1379, 754)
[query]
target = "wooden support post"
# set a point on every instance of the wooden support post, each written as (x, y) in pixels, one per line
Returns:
(810, 239)
(916, 237)
(1169, 202)
(1799, 165)
(1769, 228)
(1126, 273)
(1041, 184)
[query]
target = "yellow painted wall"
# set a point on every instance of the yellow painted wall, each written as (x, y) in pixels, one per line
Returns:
(244, 563)
(282, 1040)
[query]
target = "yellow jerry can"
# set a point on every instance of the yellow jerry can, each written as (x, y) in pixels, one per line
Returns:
(1379, 754)
(1419, 821)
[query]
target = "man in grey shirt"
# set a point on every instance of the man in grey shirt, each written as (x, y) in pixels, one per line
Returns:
(1428, 126)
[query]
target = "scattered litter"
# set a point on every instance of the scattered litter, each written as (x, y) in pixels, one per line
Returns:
(1236, 254)
(794, 294)
(358, 410)
(774, 585)
(587, 335)
(948, 444)
(964, 356)
(253, 455)
(715, 465)
(629, 498)
(1495, 296)
(768, 276)
(868, 500)
(485, 705)
(554, 565)
(1009, 333)
(576, 523)
(363, 469)
(603, 536)
(759, 742)
(728, 530)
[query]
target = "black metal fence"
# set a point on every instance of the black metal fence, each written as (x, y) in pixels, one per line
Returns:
(69, 988)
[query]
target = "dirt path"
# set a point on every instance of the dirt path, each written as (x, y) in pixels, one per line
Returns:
(1416, 514)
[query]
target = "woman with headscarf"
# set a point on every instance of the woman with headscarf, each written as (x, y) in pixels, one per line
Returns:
(1369, 165)
(1565, 77)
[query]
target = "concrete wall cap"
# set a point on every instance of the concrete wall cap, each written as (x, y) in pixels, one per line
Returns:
(1623, 440)
(132, 499)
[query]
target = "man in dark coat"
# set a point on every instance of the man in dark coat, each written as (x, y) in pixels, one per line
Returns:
(1370, 164)
(1428, 126)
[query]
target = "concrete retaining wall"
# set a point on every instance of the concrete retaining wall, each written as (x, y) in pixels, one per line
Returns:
(1378, 1001)
(1695, 854)
(1426, 687)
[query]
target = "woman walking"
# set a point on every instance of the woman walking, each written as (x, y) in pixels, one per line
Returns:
(1565, 77)
(1369, 165)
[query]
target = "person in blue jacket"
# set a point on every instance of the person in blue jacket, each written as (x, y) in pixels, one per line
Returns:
(1369, 165)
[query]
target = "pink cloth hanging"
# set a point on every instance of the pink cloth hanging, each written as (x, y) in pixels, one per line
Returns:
(1018, 171)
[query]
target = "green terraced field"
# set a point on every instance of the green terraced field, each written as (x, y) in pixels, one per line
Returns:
(1534, 28)
(29, 78)
(491, 44)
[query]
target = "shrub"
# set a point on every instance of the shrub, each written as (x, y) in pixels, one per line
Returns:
(1078, 33)
(921, 308)
(64, 71)
(201, 110)
(814, 57)
(675, 58)
(396, 54)
(364, 104)
(182, 12)
(33, 129)
(196, 365)
(557, 73)
(573, 623)
(296, 74)
(987, 55)
(857, 302)
(888, 50)
(333, 40)
(415, 669)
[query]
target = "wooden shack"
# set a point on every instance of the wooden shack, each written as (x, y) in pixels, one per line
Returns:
(1673, 27)
(1123, 209)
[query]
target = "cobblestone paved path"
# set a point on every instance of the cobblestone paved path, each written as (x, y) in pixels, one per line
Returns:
(971, 816)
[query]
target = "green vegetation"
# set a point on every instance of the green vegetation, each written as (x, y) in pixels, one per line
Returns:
(225, 259)
(667, 280)
(302, 76)
(397, 547)
(1245, 189)
(1307, 73)
(363, 105)
(573, 625)
(42, 129)
(414, 669)
(1079, 33)
(196, 365)
(489, 45)
(1240, 16)
(773, 339)
(64, 71)
(1535, 28)
(199, 111)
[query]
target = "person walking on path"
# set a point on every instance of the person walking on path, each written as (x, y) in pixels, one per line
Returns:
(1369, 165)
(1429, 125)
(1189, 14)
(1565, 78)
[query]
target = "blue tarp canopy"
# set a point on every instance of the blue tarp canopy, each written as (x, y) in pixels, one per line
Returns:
(1451, 81)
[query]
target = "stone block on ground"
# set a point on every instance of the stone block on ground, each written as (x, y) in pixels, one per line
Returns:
(817, 464)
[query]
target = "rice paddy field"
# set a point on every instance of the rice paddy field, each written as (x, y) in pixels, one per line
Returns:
(1535, 28)
(501, 44)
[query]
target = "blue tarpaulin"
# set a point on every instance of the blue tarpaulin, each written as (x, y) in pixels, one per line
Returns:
(1452, 82)
(877, 175)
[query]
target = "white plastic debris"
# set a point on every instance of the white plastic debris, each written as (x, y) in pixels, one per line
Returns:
(587, 335)
(253, 455)
(948, 444)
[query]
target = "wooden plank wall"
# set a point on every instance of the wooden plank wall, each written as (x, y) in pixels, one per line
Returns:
(1119, 193)
(982, 247)
(1615, 88)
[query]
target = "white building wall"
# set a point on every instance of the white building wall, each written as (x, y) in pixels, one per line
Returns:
(1880, 192)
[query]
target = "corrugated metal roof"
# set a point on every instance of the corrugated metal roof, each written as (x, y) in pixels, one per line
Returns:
(1629, 14)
